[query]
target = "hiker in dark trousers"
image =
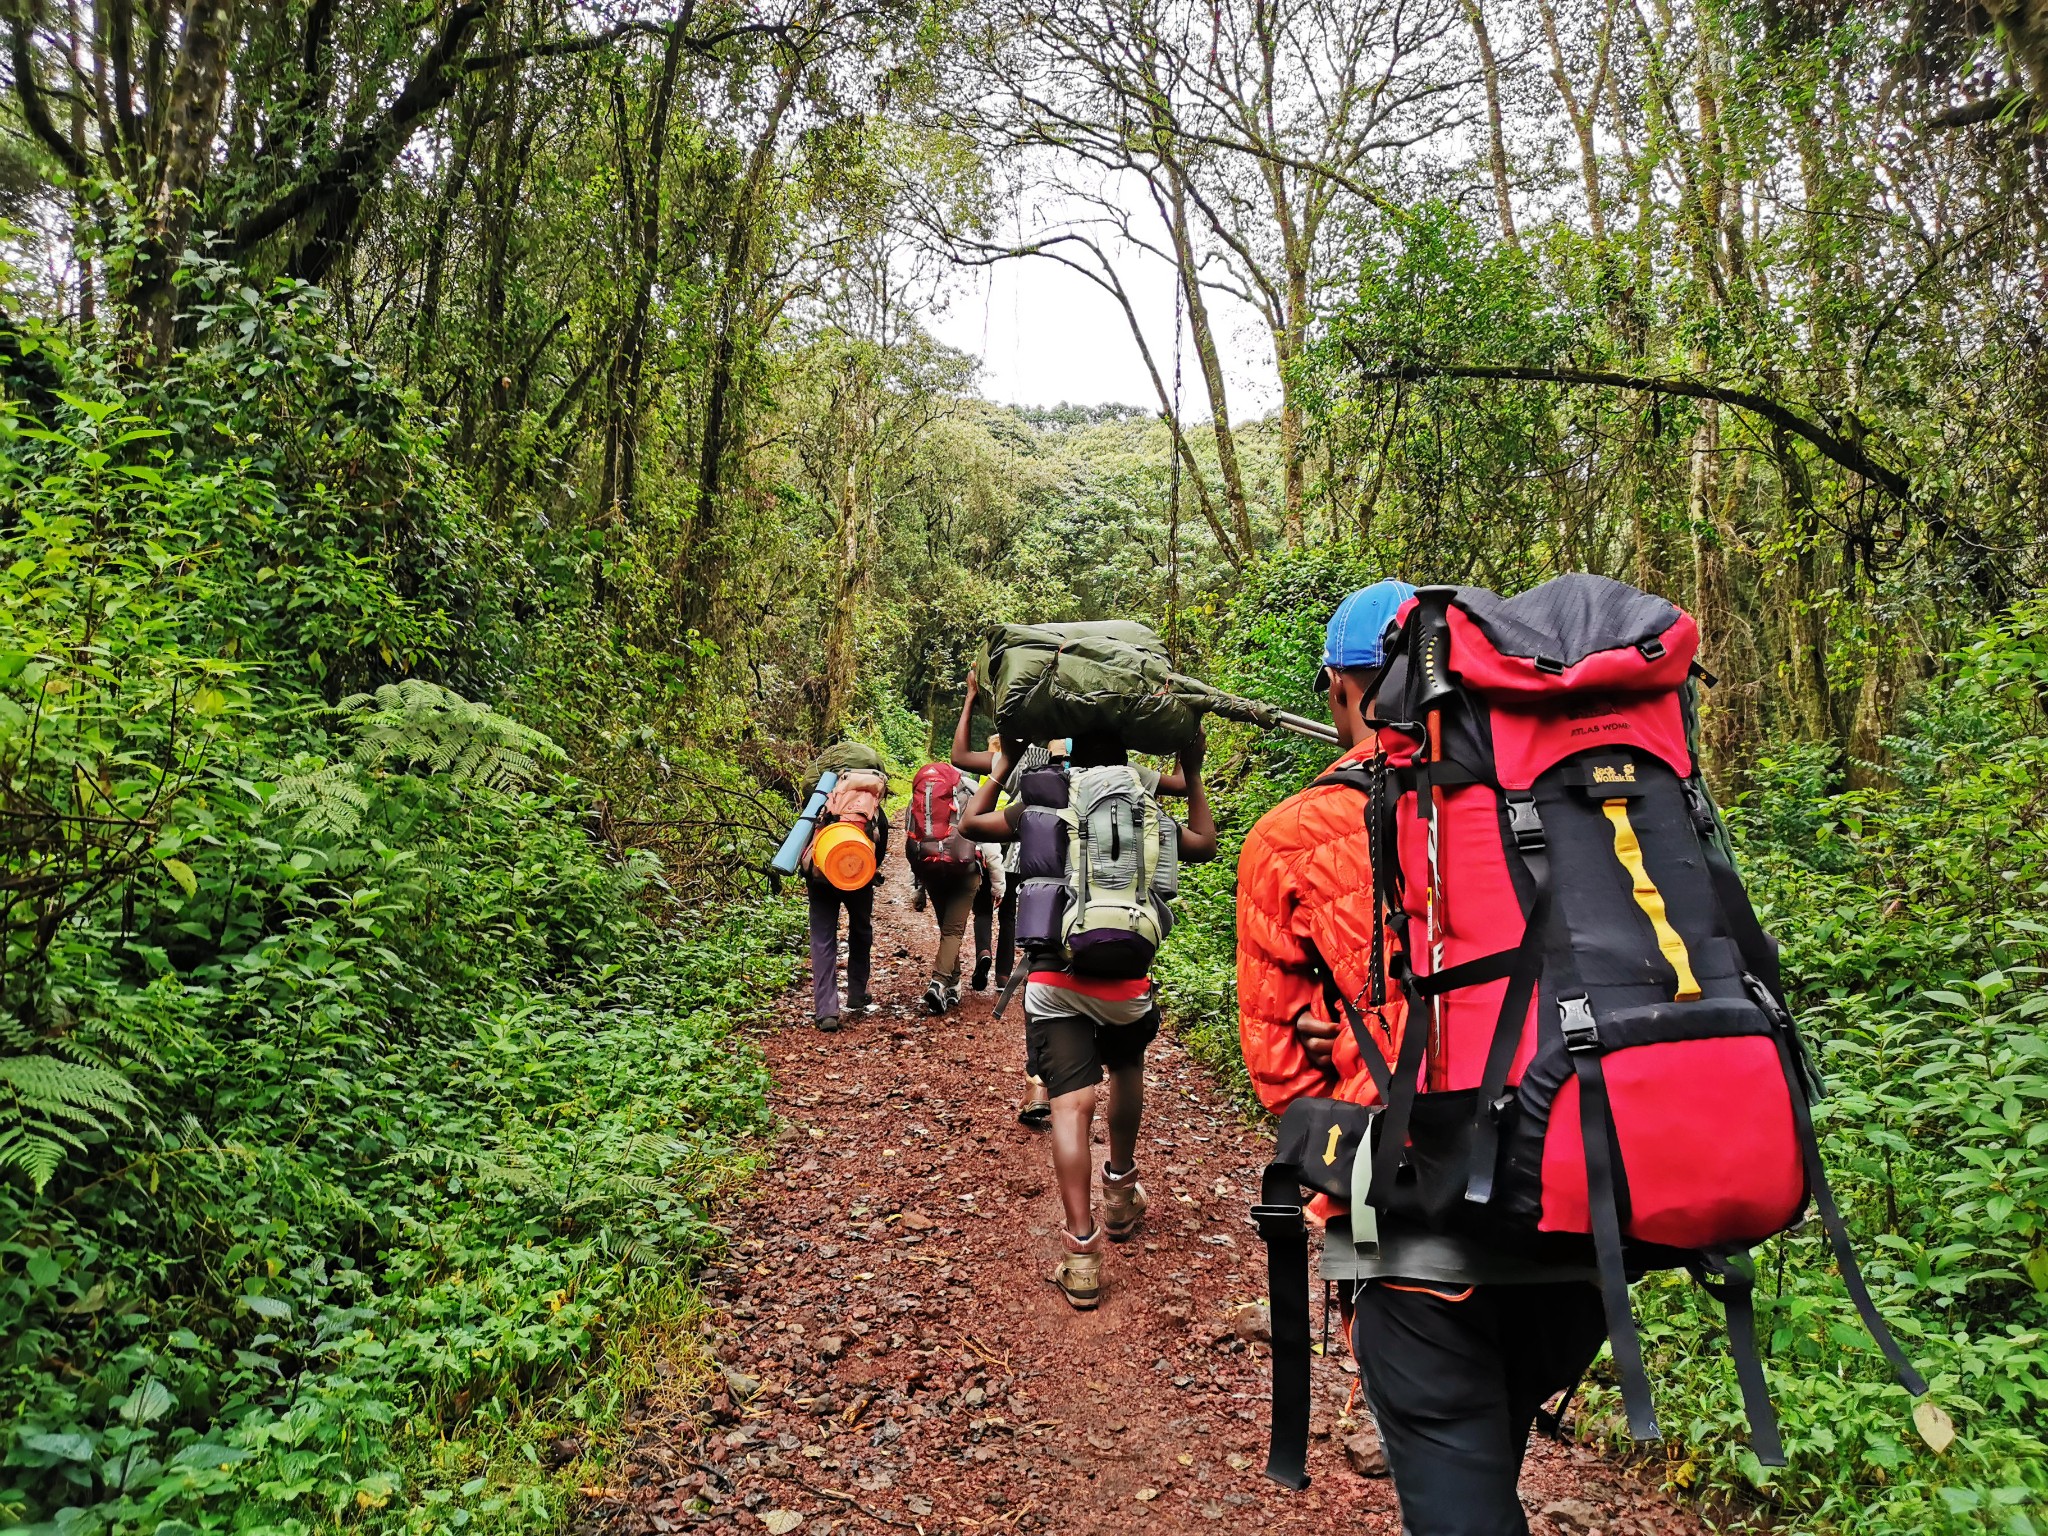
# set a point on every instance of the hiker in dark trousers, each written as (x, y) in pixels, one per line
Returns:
(1459, 1343)
(826, 902)
(1035, 1108)
(968, 760)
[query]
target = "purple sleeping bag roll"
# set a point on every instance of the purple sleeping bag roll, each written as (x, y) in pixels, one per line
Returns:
(1040, 906)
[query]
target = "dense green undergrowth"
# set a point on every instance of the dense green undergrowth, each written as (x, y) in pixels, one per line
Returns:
(1914, 919)
(361, 1108)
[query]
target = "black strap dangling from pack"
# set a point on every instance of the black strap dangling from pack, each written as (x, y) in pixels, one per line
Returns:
(1838, 1230)
(1285, 1234)
(1731, 1280)
(1583, 1043)
(1525, 831)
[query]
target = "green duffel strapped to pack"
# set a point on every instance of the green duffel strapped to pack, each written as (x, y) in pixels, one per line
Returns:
(841, 757)
(1047, 681)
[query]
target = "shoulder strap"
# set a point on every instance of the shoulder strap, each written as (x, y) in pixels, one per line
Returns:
(1368, 1048)
(1150, 818)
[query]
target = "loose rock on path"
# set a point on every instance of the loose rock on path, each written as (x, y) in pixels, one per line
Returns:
(892, 1355)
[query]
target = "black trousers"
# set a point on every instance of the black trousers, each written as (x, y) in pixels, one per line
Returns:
(1454, 1385)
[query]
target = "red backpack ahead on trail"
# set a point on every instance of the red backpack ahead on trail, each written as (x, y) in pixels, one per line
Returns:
(932, 841)
(1597, 1053)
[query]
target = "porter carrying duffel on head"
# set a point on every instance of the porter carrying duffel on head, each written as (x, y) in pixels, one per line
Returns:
(1598, 1062)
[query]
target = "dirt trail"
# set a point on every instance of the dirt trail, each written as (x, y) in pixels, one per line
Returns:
(893, 1355)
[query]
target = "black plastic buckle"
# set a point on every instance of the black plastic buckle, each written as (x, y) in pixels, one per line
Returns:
(1696, 806)
(1575, 1016)
(1526, 824)
(1766, 1003)
(1652, 649)
(1551, 665)
(1277, 1221)
(1497, 1111)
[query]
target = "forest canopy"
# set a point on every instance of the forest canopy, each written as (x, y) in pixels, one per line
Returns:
(461, 459)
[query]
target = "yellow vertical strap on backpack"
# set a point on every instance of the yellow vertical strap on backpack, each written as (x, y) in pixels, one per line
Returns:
(1650, 899)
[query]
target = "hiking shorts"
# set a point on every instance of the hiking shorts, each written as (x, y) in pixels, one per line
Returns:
(1068, 1053)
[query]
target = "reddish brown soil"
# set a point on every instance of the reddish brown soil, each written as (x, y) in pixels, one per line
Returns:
(893, 1354)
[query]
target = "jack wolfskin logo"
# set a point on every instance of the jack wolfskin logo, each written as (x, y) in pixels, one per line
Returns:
(1602, 774)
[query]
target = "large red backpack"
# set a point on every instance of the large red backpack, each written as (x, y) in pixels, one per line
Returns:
(933, 841)
(1597, 1052)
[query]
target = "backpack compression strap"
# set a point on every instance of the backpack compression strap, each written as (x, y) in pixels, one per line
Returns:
(1731, 1280)
(1831, 1217)
(1605, 1189)
(1285, 1234)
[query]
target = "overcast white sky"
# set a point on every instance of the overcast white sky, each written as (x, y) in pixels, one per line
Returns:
(1045, 334)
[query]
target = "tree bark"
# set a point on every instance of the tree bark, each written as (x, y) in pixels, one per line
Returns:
(1210, 359)
(192, 124)
(1496, 140)
(695, 585)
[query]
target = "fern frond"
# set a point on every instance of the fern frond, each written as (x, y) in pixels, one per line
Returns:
(45, 1101)
(330, 796)
(37, 1156)
(50, 1084)
(422, 724)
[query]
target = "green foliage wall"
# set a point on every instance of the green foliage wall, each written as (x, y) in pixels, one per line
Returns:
(359, 1123)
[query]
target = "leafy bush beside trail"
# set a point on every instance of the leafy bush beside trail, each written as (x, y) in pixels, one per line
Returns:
(358, 1121)
(1914, 919)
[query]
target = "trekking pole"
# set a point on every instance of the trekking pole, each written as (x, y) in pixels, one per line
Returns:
(1301, 725)
(1251, 711)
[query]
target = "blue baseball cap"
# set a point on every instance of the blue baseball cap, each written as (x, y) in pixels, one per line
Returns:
(1356, 629)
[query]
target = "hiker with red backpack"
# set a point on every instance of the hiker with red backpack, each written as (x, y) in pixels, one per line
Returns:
(841, 866)
(1594, 1075)
(954, 876)
(1099, 859)
(1305, 941)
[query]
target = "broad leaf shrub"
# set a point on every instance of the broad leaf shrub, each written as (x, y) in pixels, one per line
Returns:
(1915, 927)
(1914, 920)
(358, 1123)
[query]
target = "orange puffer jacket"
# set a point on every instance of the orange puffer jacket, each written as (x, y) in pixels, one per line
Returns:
(1304, 888)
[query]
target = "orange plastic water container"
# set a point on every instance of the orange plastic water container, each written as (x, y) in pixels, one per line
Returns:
(844, 856)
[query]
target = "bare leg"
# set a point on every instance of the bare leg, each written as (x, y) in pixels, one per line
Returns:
(1126, 1111)
(1073, 1162)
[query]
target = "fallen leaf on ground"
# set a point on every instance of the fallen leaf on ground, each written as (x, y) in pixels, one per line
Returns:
(1935, 1426)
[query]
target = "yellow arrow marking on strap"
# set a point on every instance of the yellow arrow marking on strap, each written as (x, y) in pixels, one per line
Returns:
(1330, 1152)
(1650, 899)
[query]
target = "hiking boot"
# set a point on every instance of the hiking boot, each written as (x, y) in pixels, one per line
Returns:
(1079, 1274)
(1036, 1109)
(826, 1023)
(1123, 1202)
(982, 966)
(860, 1002)
(952, 995)
(934, 1000)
